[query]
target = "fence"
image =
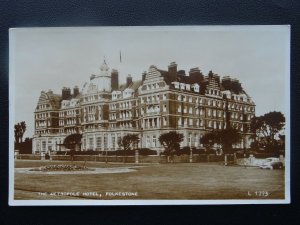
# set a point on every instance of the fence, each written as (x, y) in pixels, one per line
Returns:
(130, 159)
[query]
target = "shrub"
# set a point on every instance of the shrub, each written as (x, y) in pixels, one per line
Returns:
(125, 152)
(146, 151)
(210, 151)
(183, 151)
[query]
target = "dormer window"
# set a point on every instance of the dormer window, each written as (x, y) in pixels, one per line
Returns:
(176, 84)
(196, 87)
(188, 87)
(182, 86)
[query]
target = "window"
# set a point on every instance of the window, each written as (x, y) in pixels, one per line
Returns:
(191, 122)
(118, 138)
(179, 122)
(188, 87)
(99, 142)
(179, 108)
(191, 110)
(185, 121)
(154, 141)
(105, 141)
(43, 146)
(91, 143)
(84, 143)
(148, 141)
(165, 108)
(164, 96)
(185, 109)
(182, 86)
(113, 141)
(209, 112)
(165, 121)
(220, 114)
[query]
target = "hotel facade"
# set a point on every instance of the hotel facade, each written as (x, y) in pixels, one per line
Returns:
(162, 101)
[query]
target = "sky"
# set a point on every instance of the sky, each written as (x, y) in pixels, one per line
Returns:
(52, 58)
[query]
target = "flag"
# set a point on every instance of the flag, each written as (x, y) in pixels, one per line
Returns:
(120, 57)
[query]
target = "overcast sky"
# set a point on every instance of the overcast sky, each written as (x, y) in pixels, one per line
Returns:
(51, 58)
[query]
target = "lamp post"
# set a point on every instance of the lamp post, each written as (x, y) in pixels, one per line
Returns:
(191, 155)
(106, 156)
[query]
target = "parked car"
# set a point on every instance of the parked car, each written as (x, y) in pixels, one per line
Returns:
(272, 163)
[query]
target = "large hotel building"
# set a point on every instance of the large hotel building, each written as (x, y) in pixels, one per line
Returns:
(163, 100)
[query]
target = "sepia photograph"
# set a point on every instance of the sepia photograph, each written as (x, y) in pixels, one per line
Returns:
(154, 115)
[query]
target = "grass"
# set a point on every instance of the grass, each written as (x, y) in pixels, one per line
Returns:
(194, 181)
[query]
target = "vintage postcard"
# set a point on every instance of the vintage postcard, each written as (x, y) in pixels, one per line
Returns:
(149, 115)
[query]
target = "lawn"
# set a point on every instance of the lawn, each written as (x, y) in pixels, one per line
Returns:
(192, 181)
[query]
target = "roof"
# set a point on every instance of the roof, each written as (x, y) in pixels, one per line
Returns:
(134, 85)
(211, 80)
(53, 99)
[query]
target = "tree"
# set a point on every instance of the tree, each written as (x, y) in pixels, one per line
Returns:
(128, 140)
(171, 142)
(267, 127)
(20, 129)
(26, 146)
(73, 141)
(226, 138)
(208, 140)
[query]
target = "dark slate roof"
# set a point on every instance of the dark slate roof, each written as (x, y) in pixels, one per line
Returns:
(202, 80)
(54, 100)
(134, 85)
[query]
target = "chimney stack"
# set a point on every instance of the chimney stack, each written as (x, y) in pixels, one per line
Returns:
(128, 80)
(172, 69)
(114, 80)
(75, 91)
(196, 75)
(66, 93)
